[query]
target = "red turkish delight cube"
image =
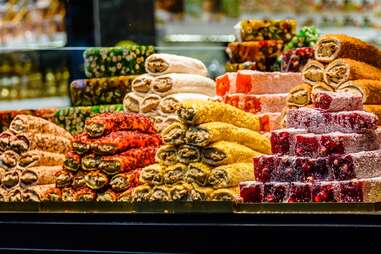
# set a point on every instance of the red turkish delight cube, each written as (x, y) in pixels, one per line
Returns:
(224, 83)
(350, 191)
(283, 140)
(251, 191)
(307, 145)
(275, 192)
(233, 100)
(300, 192)
(336, 102)
(324, 192)
(265, 167)
(251, 103)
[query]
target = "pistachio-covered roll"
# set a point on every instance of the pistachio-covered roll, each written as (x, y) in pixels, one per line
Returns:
(141, 193)
(107, 196)
(180, 191)
(167, 155)
(5, 140)
(132, 102)
(32, 124)
(198, 193)
(142, 84)
(39, 175)
(196, 112)
(15, 195)
(11, 178)
(197, 173)
(9, 158)
(313, 72)
(90, 162)
(321, 87)
(225, 194)
(68, 195)
(81, 143)
(36, 158)
(174, 134)
(223, 153)
(300, 95)
(152, 174)
(175, 173)
(332, 46)
(345, 69)
(40, 193)
(64, 178)
(85, 194)
(370, 90)
(183, 83)
(96, 180)
(231, 175)
(40, 141)
(208, 133)
(161, 193)
(188, 154)
(79, 180)
(124, 181)
(160, 64)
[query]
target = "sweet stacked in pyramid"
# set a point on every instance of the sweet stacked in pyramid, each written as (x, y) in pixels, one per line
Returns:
(329, 153)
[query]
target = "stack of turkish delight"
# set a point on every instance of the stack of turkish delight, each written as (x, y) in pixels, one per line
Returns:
(205, 156)
(328, 153)
(261, 93)
(170, 79)
(32, 151)
(259, 44)
(343, 64)
(105, 162)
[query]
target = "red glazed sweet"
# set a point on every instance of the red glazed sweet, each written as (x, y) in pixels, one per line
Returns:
(251, 191)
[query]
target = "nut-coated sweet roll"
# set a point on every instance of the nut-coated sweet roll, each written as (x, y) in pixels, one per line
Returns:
(197, 173)
(167, 155)
(152, 174)
(124, 181)
(370, 90)
(96, 180)
(231, 175)
(107, 196)
(36, 158)
(39, 175)
(175, 173)
(313, 72)
(300, 95)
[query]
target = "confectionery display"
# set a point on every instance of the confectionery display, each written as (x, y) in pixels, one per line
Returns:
(333, 156)
(170, 80)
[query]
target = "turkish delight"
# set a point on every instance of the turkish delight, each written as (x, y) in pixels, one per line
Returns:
(270, 121)
(336, 102)
(306, 37)
(299, 192)
(370, 90)
(226, 83)
(316, 121)
(294, 60)
(248, 65)
(283, 140)
(263, 53)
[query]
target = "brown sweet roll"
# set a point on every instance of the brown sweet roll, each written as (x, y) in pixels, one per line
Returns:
(171, 103)
(343, 70)
(150, 103)
(124, 181)
(370, 90)
(321, 87)
(126, 196)
(152, 174)
(188, 154)
(39, 175)
(141, 193)
(72, 161)
(68, 195)
(333, 46)
(64, 178)
(161, 193)
(15, 195)
(40, 141)
(132, 102)
(10, 179)
(313, 72)
(197, 173)
(198, 193)
(175, 173)
(225, 194)
(39, 158)
(3, 195)
(84, 194)
(300, 95)
(9, 159)
(40, 193)
(174, 134)
(79, 180)
(107, 196)
(5, 139)
(167, 122)
(142, 84)
(181, 191)
(32, 124)
(167, 155)
(96, 180)
(90, 162)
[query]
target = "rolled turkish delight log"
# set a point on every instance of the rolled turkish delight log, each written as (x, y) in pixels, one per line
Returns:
(257, 51)
(39, 175)
(334, 46)
(98, 91)
(107, 196)
(64, 178)
(257, 82)
(68, 195)
(208, 133)
(152, 174)
(90, 162)
(124, 181)
(120, 141)
(336, 102)
(72, 161)
(174, 134)
(321, 87)
(370, 90)
(294, 60)
(141, 193)
(300, 95)
(10, 179)
(32, 124)
(230, 175)
(5, 140)
(375, 109)
(198, 193)
(180, 191)
(116, 61)
(36, 141)
(343, 70)
(225, 194)
(39, 193)
(129, 160)
(160, 64)
(283, 140)
(183, 83)
(106, 123)
(79, 180)
(161, 193)
(197, 173)
(248, 65)
(96, 180)
(9, 159)
(223, 153)
(175, 173)
(142, 84)
(167, 155)
(84, 194)
(313, 72)
(196, 112)
(188, 154)
(171, 103)
(36, 158)
(325, 122)
(256, 30)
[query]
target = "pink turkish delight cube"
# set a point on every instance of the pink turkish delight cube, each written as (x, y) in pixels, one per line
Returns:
(325, 122)
(336, 102)
(350, 191)
(275, 192)
(251, 191)
(265, 167)
(283, 140)
(299, 192)
(307, 145)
